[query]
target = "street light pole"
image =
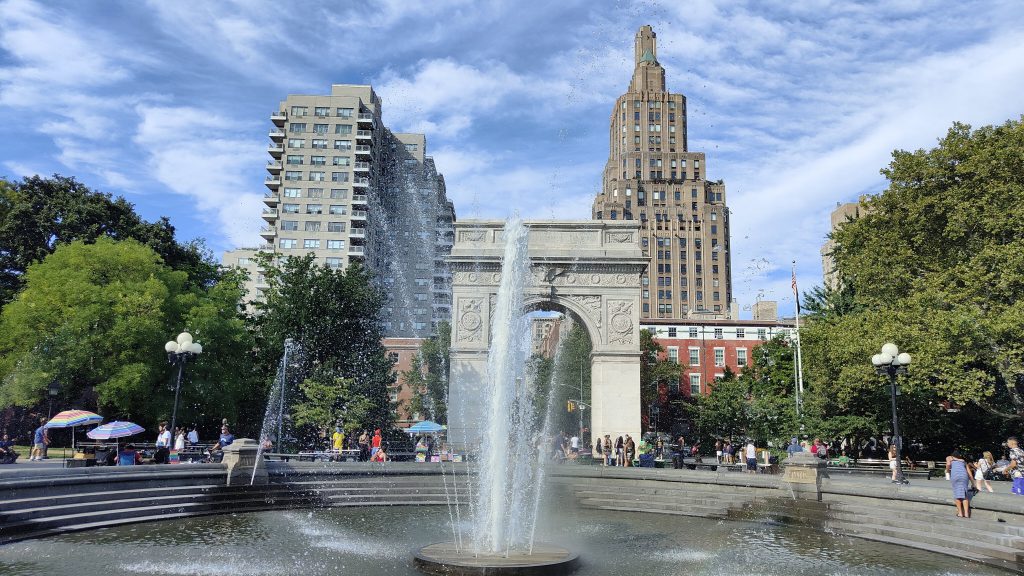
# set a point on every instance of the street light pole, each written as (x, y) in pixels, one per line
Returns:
(581, 400)
(53, 390)
(179, 351)
(891, 362)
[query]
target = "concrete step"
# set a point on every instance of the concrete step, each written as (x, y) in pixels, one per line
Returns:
(662, 488)
(964, 529)
(927, 518)
(144, 509)
(657, 499)
(65, 499)
(699, 512)
(961, 543)
(959, 553)
(638, 505)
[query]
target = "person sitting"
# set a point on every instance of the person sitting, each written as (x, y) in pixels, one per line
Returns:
(225, 440)
(7, 453)
(128, 456)
(379, 456)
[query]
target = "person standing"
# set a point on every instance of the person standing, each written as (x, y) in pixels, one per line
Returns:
(620, 453)
(1015, 469)
(40, 440)
(375, 443)
(960, 479)
(364, 446)
(751, 457)
(892, 463)
(630, 448)
(179, 439)
(338, 439)
(982, 471)
(608, 454)
(193, 436)
(599, 452)
(718, 450)
(163, 444)
(574, 446)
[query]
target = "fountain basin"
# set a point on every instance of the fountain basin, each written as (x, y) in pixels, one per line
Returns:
(546, 560)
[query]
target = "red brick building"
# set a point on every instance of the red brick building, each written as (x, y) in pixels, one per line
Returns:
(402, 351)
(706, 347)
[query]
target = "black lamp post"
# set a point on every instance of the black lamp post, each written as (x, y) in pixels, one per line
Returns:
(53, 390)
(179, 352)
(891, 362)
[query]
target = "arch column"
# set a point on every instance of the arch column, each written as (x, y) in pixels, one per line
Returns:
(615, 394)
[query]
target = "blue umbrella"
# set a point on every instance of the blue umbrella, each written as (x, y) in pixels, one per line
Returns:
(425, 427)
(116, 429)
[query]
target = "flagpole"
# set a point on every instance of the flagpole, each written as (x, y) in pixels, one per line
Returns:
(799, 355)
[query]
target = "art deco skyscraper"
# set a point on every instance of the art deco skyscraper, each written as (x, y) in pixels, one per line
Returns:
(653, 177)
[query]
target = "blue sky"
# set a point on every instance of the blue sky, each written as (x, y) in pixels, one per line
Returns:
(797, 104)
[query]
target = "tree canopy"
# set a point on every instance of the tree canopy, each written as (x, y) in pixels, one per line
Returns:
(95, 316)
(334, 317)
(936, 265)
(38, 214)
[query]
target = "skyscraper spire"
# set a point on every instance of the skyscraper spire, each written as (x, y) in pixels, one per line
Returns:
(648, 76)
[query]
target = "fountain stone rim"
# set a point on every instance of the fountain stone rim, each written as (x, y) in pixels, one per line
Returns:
(551, 560)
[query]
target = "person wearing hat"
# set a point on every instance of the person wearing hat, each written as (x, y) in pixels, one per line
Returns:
(794, 446)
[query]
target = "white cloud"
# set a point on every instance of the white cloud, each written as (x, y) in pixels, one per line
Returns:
(188, 153)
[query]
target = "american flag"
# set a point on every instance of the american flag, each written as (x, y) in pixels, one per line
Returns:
(796, 293)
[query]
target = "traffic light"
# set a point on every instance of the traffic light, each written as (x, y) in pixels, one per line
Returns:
(570, 405)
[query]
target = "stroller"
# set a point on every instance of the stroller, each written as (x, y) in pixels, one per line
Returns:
(8, 457)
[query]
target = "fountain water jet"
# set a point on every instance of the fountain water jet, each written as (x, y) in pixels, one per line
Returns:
(508, 462)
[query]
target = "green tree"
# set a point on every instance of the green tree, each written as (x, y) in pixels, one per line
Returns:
(95, 316)
(39, 214)
(658, 373)
(759, 402)
(334, 317)
(428, 376)
(328, 401)
(935, 264)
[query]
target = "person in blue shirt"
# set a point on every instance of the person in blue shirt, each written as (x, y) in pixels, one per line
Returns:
(225, 439)
(794, 446)
(40, 440)
(7, 453)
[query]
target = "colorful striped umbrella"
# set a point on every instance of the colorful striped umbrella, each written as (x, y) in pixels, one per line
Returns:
(115, 429)
(70, 418)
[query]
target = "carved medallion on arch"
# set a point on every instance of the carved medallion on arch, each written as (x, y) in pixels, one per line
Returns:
(620, 322)
(470, 321)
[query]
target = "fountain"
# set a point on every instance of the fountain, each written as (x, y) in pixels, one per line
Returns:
(510, 462)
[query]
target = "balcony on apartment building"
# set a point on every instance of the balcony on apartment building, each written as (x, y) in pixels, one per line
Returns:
(361, 166)
(274, 166)
(360, 182)
(357, 233)
(365, 117)
(277, 135)
(270, 199)
(364, 134)
(270, 214)
(356, 250)
(279, 117)
(359, 199)
(268, 232)
(273, 182)
(276, 150)
(363, 149)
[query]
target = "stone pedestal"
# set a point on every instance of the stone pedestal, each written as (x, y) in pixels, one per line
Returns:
(240, 457)
(802, 475)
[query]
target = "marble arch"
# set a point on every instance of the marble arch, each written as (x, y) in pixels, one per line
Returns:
(589, 268)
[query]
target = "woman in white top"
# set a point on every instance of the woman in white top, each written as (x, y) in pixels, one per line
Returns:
(179, 439)
(985, 463)
(751, 457)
